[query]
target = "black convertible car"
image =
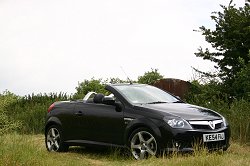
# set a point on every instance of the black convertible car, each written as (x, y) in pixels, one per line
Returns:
(141, 117)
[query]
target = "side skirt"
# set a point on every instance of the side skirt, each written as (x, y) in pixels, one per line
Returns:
(91, 143)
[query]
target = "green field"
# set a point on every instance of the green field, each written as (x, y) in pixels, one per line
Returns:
(16, 149)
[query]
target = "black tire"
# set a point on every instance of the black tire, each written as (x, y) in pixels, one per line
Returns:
(143, 143)
(54, 139)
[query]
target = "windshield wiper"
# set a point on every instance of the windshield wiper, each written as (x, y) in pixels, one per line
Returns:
(157, 102)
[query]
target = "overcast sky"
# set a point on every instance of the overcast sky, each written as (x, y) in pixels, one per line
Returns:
(51, 45)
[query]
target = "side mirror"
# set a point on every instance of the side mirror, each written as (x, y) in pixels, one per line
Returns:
(111, 101)
(108, 100)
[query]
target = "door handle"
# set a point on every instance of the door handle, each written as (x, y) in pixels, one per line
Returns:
(79, 113)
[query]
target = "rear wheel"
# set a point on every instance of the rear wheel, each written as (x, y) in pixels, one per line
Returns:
(143, 144)
(54, 141)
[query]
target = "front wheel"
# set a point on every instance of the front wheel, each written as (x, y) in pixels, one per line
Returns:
(143, 144)
(53, 139)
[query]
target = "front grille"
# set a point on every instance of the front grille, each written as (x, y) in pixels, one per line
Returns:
(203, 127)
(219, 125)
(207, 125)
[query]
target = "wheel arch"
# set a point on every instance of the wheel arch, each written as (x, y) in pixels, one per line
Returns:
(52, 121)
(141, 123)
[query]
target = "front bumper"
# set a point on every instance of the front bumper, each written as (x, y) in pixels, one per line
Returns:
(190, 140)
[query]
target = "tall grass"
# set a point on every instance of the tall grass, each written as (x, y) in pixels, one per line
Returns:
(239, 118)
(18, 149)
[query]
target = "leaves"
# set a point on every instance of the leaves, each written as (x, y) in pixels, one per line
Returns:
(230, 39)
(150, 77)
(231, 43)
(6, 123)
(87, 86)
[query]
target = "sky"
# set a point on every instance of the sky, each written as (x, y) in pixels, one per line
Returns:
(52, 45)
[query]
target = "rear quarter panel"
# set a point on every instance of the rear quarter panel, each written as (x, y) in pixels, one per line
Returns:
(62, 115)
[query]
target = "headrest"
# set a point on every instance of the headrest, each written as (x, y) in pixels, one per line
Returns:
(98, 98)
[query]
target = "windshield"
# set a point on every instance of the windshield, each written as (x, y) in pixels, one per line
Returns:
(145, 94)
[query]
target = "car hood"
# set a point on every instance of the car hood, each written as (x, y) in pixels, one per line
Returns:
(183, 110)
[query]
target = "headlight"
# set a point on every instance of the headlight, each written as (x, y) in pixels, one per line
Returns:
(176, 122)
(225, 123)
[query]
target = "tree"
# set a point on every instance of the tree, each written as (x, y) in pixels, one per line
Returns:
(115, 81)
(150, 77)
(231, 43)
(241, 85)
(87, 86)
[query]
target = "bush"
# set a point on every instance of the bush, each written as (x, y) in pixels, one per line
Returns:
(31, 111)
(7, 124)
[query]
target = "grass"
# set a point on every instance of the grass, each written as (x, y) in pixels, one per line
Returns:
(16, 149)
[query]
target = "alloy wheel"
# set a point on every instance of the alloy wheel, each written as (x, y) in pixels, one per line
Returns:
(143, 144)
(53, 139)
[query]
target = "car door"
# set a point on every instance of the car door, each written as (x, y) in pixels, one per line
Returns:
(100, 123)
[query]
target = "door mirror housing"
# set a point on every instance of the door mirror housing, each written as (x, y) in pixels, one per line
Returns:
(108, 100)
(111, 101)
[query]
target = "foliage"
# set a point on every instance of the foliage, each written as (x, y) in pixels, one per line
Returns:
(115, 81)
(95, 85)
(86, 86)
(6, 124)
(150, 77)
(7, 98)
(31, 111)
(98, 85)
(202, 93)
(239, 118)
(231, 44)
(241, 85)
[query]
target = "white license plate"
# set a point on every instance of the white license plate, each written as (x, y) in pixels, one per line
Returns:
(213, 137)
